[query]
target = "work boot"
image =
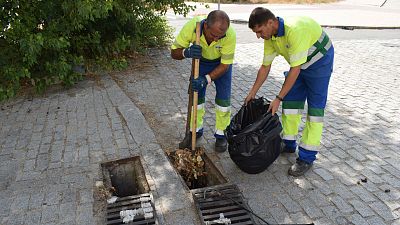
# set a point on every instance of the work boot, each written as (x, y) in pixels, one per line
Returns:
(221, 144)
(299, 168)
(286, 149)
(187, 141)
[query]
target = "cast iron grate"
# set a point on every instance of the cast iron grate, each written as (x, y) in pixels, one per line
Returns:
(131, 203)
(221, 200)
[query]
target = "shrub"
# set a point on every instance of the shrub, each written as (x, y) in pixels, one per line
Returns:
(44, 42)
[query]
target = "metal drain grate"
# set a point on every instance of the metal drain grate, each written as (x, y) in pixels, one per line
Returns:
(131, 203)
(214, 202)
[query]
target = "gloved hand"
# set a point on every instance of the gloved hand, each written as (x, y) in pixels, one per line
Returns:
(199, 83)
(194, 51)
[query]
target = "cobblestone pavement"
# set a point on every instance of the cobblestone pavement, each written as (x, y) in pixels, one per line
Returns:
(361, 137)
(51, 147)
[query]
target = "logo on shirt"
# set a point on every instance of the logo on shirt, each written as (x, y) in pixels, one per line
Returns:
(218, 47)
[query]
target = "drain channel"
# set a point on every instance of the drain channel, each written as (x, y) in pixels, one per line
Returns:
(126, 177)
(131, 201)
(218, 205)
(141, 204)
(182, 160)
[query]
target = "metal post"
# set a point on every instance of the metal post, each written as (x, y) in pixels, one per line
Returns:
(219, 1)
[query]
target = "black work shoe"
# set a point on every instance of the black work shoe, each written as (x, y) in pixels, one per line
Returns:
(221, 144)
(187, 141)
(285, 149)
(299, 168)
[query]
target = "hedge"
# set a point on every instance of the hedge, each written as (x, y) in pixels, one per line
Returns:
(44, 42)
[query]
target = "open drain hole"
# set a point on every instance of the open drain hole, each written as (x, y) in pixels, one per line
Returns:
(132, 204)
(126, 177)
(196, 172)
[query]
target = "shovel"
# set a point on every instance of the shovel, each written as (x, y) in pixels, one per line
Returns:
(191, 99)
(195, 93)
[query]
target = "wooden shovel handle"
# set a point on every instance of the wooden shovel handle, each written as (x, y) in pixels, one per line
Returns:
(195, 94)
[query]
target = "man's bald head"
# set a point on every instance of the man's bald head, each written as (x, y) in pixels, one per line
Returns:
(218, 18)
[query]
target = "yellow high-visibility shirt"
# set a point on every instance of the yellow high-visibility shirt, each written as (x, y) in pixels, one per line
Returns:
(224, 48)
(296, 35)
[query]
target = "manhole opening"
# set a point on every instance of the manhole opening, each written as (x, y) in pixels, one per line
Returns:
(196, 168)
(126, 177)
(222, 204)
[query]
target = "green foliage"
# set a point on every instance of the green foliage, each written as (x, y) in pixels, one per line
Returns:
(119, 64)
(43, 41)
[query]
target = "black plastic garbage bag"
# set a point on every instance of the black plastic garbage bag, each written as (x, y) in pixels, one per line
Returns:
(254, 137)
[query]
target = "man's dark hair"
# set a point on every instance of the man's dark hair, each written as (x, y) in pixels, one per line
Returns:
(259, 16)
(217, 16)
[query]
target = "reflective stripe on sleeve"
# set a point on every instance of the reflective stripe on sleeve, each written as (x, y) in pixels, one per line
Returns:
(227, 57)
(296, 57)
(269, 58)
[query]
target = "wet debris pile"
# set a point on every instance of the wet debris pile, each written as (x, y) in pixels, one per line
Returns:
(190, 166)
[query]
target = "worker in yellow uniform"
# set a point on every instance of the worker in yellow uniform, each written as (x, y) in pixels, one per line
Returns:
(216, 52)
(309, 52)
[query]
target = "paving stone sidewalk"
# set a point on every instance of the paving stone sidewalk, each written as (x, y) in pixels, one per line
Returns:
(361, 137)
(51, 147)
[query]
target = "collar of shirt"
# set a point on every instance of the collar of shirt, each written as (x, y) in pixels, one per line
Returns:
(201, 26)
(281, 29)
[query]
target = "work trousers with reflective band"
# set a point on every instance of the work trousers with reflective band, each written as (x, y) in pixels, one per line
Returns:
(222, 99)
(311, 85)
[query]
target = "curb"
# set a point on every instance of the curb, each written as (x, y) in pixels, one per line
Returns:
(172, 201)
(344, 27)
(360, 27)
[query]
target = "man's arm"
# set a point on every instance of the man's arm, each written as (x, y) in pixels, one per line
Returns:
(177, 53)
(218, 71)
(261, 77)
(182, 48)
(287, 85)
(289, 81)
(202, 81)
